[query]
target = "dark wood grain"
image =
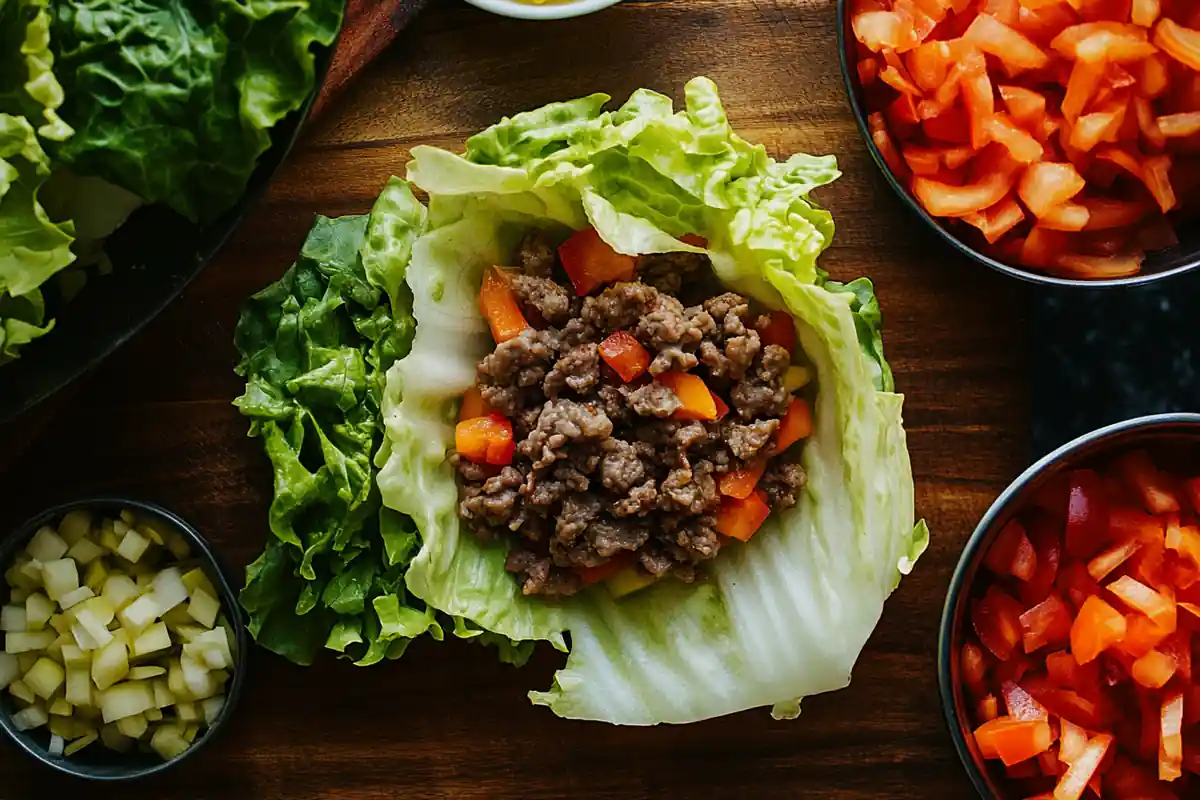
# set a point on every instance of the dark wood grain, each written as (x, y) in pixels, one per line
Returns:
(447, 721)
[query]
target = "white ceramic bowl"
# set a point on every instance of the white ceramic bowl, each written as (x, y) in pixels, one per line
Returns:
(549, 10)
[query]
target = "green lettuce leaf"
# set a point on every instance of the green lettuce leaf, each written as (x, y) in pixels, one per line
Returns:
(784, 616)
(315, 348)
(174, 100)
(33, 247)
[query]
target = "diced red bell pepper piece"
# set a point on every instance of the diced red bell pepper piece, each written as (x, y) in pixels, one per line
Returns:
(741, 519)
(1011, 552)
(1023, 147)
(499, 306)
(997, 621)
(948, 125)
(485, 440)
(1013, 740)
(625, 355)
(1097, 627)
(780, 329)
(1047, 623)
(797, 424)
(1087, 514)
(590, 262)
(1105, 212)
(740, 483)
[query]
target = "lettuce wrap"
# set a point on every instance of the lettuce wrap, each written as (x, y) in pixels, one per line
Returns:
(779, 618)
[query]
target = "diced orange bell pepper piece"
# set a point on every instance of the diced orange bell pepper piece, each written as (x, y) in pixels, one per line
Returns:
(1140, 474)
(740, 482)
(500, 308)
(1170, 746)
(1023, 105)
(1184, 540)
(998, 220)
(485, 440)
(625, 355)
(697, 400)
(780, 330)
(1010, 46)
(1141, 635)
(1153, 670)
(797, 424)
(1180, 43)
(1140, 597)
(1066, 217)
(473, 405)
(1097, 627)
(973, 666)
(1048, 184)
(694, 239)
(741, 519)
(1047, 623)
(996, 618)
(1074, 781)
(590, 262)
(1012, 740)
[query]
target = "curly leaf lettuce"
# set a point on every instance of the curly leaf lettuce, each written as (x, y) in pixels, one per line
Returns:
(315, 348)
(784, 616)
(174, 100)
(32, 246)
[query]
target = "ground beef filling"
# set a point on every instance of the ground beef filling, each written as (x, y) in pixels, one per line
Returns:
(602, 470)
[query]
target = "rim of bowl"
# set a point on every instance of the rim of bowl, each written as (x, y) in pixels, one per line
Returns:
(554, 9)
(1089, 444)
(229, 606)
(850, 83)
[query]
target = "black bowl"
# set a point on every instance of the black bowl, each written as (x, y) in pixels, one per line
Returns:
(1159, 432)
(156, 254)
(1177, 260)
(97, 762)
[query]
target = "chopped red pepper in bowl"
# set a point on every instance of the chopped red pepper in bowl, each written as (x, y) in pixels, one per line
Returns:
(1068, 634)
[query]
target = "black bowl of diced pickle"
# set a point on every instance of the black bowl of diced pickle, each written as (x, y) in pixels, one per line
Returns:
(123, 642)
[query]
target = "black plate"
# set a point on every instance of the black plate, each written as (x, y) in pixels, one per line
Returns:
(156, 254)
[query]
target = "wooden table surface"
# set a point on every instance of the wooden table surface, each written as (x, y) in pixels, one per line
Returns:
(448, 721)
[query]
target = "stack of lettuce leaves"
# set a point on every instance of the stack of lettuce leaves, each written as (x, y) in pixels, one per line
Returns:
(780, 618)
(109, 104)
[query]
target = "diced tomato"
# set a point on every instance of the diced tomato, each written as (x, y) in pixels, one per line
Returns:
(1047, 623)
(694, 239)
(997, 621)
(1179, 647)
(1087, 513)
(797, 424)
(1153, 670)
(1011, 552)
(590, 262)
(779, 329)
(1148, 124)
(1010, 46)
(1081, 87)
(1047, 184)
(1138, 472)
(1097, 627)
(973, 666)
(1180, 43)
(1047, 548)
(1013, 740)
(741, 519)
(1098, 267)
(722, 407)
(625, 355)
(740, 482)
(1064, 703)
(944, 200)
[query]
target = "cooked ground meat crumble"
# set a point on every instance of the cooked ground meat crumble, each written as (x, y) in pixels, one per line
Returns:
(601, 468)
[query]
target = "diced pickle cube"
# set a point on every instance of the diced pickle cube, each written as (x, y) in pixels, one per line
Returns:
(85, 551)
(154, 714)
(110, 665)
(169, 742)
(80, 743)
(19, 690)
(95, 575)
(10, 669)
(211, 708)
(13, 619)
(45, 678)
(204, 608)
(56, 745)
(79, 686)
(126, 699)
(94, 624)
(46, 545)
(75, 526)
(38, 611)
(139, 614)
(60, 577)
(168, 589)
(163, 696)
(154, 639)
(61, 708)
(120, 590)
(134, 727)
(72, 599)
(29, 718)
(74, 656)
(114, 740)
(28, 641)
(133, 546)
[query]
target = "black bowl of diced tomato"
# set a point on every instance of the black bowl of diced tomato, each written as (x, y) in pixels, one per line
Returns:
(1069, 632)
(1056, 141)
